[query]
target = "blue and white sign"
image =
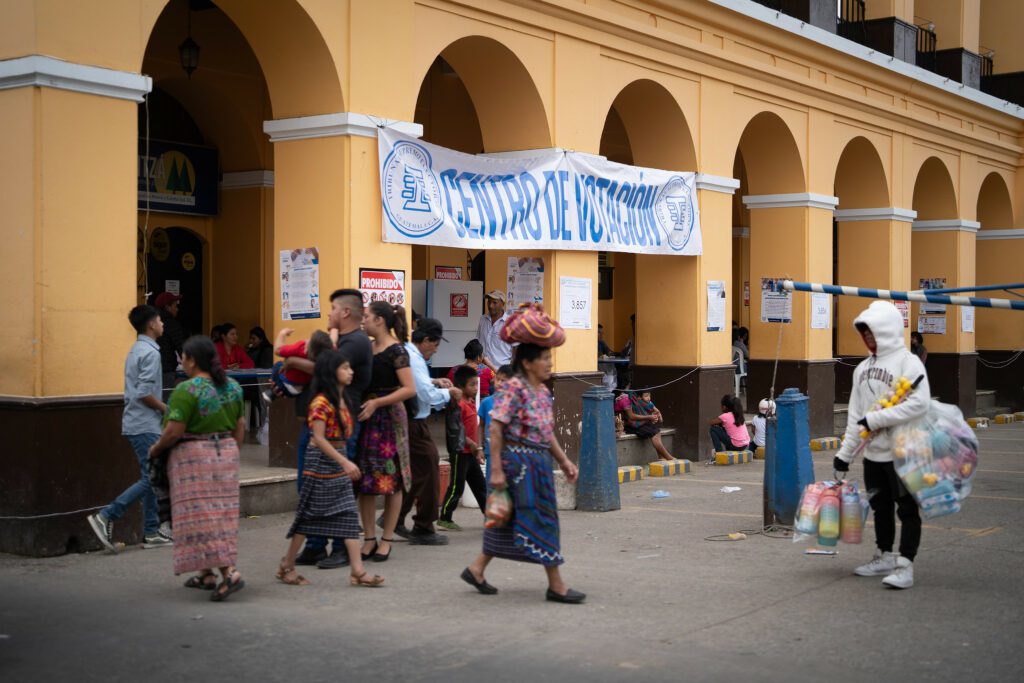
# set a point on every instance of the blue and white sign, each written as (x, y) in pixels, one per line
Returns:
(554, 200)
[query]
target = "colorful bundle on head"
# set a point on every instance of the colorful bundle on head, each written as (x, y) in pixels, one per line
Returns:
(531, 325)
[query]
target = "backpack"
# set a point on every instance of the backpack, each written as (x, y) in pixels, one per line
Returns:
(454, 433)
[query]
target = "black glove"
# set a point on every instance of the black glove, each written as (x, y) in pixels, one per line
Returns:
(840, 465)
(863, 422)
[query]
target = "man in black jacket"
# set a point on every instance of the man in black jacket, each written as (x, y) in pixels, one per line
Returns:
(172, 340)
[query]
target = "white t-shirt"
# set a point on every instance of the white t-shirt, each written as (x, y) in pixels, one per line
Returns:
(760, 424)
(495, 350)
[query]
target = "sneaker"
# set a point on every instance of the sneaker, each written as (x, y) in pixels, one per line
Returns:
(403, 531)
(157, 541)
(104, 530)
(883, 564)
(165, 531)
(310, 556)
(903, 577)
(337, 559)
(450, 526)
(418, 537)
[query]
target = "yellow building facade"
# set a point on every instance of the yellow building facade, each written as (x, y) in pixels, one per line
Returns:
(818, 159)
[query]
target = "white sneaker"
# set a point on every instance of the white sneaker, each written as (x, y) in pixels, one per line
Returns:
(883, 564)
(104, 530)
(903, 577)
(165, 531)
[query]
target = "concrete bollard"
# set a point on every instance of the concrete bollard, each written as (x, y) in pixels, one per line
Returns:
(788, 467)
(598, 487)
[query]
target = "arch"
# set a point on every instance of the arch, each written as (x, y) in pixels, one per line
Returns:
(645, 126)
(300, 71)
(504, 97)
(860, 178)
(934, 193)
(995, 209)
(771, 156)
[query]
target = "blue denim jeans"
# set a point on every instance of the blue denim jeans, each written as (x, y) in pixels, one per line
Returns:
(319, 542)
(140, 489)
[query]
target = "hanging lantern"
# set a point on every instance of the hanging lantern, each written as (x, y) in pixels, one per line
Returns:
(188, 51)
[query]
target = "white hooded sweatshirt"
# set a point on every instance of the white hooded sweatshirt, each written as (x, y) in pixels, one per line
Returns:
(873, 379)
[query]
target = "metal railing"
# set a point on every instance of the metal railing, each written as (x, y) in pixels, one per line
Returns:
(851, 20)
(987, 54)
(926, 42)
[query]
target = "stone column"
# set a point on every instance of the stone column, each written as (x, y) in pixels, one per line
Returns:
(1000, 333)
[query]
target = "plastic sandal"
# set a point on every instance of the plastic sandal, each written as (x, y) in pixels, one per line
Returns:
(363, 581)
(227, 587)
(199, 581)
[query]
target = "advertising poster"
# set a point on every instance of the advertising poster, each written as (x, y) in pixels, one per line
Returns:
(931, 324)
(459, 305)
(177, 178)
(447, 272)
(746, 293)
(904, 309)
(821, 311)
(300, 283)
(716, 305)
(525, 281)
(382, 285)
(776, 303)
(932, 283)
(575, 302)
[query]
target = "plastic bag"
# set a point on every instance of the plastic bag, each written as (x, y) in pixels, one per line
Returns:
(499, 509)
(831, 511)
(936, 457)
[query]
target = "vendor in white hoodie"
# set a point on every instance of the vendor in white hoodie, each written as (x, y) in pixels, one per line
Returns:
(881, 326)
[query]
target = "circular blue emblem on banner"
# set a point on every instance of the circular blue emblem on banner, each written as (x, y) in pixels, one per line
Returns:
(674, 211)
(410, 191)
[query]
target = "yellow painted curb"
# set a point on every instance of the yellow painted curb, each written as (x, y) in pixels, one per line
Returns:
(666, 468)
(1019, 416)
(630, 473)
(1005, 419)
(759, 453)
(828, 443)
(733, 457)
(977, 422)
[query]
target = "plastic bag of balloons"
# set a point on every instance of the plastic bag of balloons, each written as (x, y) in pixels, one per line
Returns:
(935, 457)
(499, 509)
(831, 511)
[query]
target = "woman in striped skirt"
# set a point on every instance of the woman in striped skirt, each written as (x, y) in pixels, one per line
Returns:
(522, 445)
(327, 504)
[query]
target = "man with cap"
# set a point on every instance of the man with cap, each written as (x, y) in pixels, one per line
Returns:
(496, 351)
(173, 338)
(431, 394)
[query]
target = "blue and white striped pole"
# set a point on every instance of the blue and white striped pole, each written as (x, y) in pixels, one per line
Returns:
(921, 297)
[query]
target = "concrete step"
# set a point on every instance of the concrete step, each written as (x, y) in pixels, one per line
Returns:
(632, 450)
(986, 399)
(992, 411)
(841, 413)
(264, 490)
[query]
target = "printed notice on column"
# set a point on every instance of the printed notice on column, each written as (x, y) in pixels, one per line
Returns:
(574, 299)
(300, 283)
(821, 311)
(716, 305)
(967, 318)
(776, 303)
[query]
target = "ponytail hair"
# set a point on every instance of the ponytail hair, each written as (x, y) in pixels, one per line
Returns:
(201, 350)
(394, 318)
(732, 404)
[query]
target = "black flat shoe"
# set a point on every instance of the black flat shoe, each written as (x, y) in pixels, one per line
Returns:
(381, 557)
(571, 597)
(482, 586)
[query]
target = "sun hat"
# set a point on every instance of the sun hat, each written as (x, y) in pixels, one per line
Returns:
(529, 324)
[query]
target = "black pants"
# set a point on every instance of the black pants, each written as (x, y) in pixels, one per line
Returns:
(721, 439)
(423, 461)
(465, 469)
(887, 492)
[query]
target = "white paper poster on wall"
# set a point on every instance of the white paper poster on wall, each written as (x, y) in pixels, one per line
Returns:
(575, 298)
(716, 305)
(172, 286)
(549, 199)
(967, 318)
(776, 303)
(525, 281)
(300, 283)
(904, 309)
(932, 283)
(931, 324)
(821, 311)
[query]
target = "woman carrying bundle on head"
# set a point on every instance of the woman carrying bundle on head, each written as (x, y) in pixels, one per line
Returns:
(522, 445)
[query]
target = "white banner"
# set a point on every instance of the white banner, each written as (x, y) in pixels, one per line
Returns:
(554, 200)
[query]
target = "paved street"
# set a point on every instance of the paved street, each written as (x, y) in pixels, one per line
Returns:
(664, 604)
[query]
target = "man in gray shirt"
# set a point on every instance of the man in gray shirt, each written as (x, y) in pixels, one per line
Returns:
(140, 424)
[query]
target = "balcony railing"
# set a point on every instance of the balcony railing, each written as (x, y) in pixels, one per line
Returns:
(986, 60)
(851, 21)
(926, 42)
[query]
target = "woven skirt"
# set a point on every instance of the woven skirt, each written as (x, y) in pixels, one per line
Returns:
(203, 475)
(327, 505)
(532, 535)
(384, 451)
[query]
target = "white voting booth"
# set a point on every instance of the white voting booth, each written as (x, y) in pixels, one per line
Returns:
(458, 304)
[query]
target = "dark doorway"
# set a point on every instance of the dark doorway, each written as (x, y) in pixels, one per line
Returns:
(176, 255)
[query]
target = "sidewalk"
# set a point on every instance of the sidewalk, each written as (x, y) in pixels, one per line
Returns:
(663, 605)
